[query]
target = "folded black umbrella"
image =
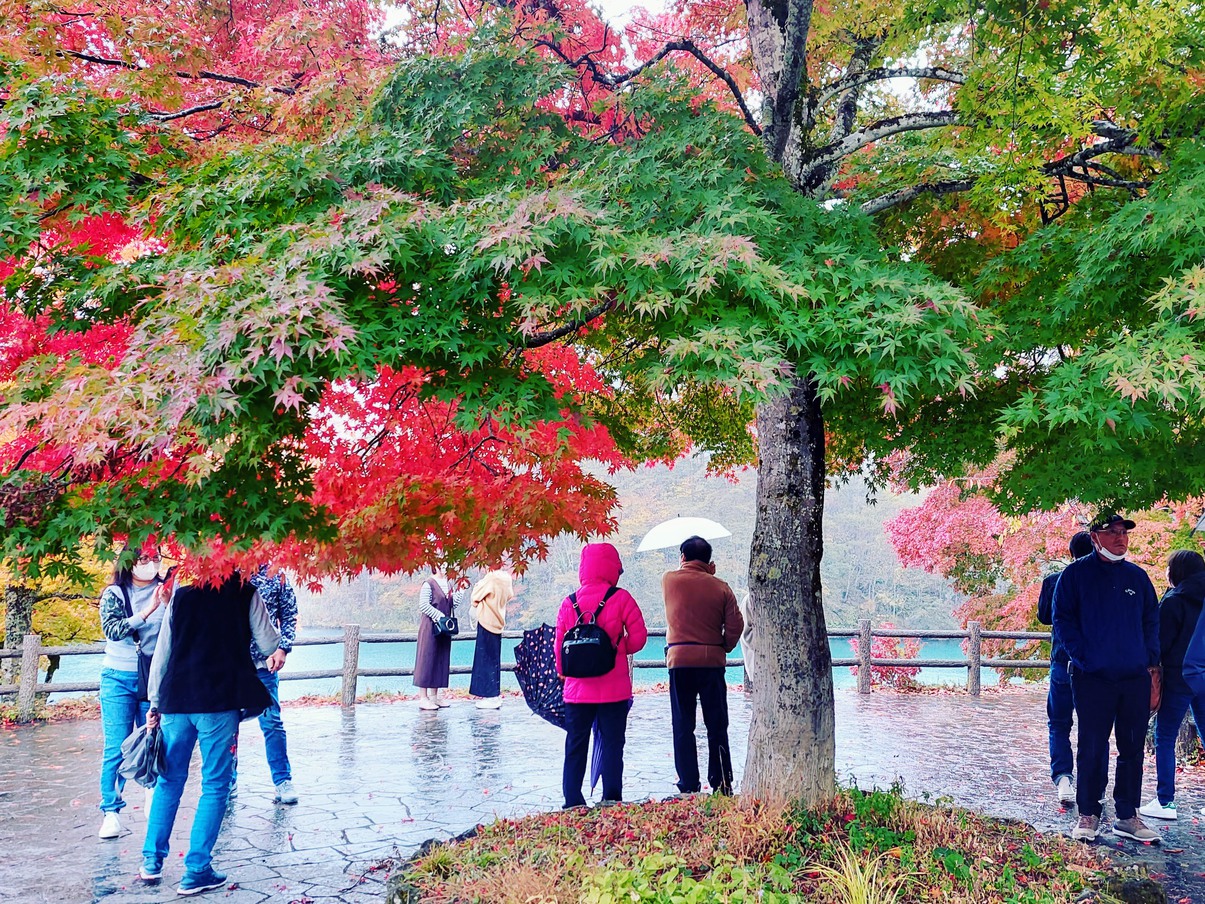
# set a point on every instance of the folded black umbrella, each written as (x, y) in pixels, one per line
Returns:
(143, 756)
(535, 670)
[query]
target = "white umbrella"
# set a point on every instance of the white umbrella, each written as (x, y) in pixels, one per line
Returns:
(675, 530)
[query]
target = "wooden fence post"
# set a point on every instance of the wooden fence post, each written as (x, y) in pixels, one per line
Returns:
(975, 656)
(864, 642)
(31, 651)
(351, 664)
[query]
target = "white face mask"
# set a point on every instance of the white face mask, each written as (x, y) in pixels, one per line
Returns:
(1110, 556)
(146, 572)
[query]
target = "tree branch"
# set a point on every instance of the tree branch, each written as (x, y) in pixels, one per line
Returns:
(685, 45)
(866, 77)
(904, 195)
(537, 340)
(199, 108)
(815, 164)
(203, 74)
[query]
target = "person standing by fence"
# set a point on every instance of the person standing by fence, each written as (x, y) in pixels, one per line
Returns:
(1059, 707)
(1107, 617)
(604, 698)
(1179, 612)
(703, 625)
(131, 611)
(433, 652)
(489, 599)
(281, 603)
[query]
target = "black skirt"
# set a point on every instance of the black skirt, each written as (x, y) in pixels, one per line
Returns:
(487, 665)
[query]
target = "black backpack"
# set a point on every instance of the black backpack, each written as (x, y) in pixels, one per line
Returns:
(587, 650)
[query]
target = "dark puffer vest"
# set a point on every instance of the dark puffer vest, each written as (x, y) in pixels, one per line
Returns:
(210, 669)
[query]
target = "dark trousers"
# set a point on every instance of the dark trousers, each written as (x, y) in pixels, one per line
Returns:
(612, 728)
(1059, 711)
(1104, 706)
(708, 687)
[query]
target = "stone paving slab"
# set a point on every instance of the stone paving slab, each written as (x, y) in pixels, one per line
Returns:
(386, 777)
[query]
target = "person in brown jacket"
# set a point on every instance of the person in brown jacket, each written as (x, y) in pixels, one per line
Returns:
(703, 625)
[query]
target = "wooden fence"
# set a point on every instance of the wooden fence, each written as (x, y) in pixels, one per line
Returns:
(32, 650)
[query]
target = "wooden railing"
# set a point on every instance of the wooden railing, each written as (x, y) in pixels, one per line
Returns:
(32, 650)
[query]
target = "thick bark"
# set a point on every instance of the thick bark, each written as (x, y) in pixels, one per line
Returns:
(18, 621)
(791, 746)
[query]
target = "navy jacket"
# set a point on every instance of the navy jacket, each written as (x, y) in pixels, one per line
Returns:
(1107, 617)
(1179, 612)
(1046, 616)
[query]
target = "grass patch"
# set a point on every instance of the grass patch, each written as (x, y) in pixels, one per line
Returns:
(862, 848)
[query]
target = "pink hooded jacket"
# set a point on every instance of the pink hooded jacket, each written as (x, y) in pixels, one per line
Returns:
(621, 618)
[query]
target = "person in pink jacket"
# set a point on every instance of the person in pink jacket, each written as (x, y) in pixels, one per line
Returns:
(606, 698)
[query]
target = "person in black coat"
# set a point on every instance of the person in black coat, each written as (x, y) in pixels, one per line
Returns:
(1179, 611)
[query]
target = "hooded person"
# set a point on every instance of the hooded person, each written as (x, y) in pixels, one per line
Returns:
(606, 697)
(488, 609)
(1179, 618)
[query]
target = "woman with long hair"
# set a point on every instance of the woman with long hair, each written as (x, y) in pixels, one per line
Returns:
(131, 611)
(1179, 611)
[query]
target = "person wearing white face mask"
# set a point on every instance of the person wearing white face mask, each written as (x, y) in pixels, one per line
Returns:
(1107, 617)
(131, 611)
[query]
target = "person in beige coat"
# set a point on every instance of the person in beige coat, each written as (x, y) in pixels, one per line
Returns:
(703, 625)
(488, 609)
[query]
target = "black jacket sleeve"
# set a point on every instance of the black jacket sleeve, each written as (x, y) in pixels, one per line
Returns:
(1046, 600)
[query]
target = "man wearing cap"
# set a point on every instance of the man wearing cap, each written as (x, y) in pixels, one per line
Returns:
(1059, 707)
(1107, 618)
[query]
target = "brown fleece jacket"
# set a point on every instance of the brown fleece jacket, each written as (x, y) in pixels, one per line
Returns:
(702, 620)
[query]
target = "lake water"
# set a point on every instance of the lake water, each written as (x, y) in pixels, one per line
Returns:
(401, 655)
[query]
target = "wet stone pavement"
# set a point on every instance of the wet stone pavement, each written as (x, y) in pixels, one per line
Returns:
(387, 777)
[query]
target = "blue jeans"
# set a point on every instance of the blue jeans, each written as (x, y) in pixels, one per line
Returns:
(216, 733)
(273, 728)
(1059, 712)
(276, 747)
(1167, 728)
(120, 711)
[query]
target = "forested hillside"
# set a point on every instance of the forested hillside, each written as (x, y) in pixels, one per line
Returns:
(862, 577)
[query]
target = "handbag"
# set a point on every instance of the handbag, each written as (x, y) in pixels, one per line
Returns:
(447, 626)
(143, 756)
(1156, 688)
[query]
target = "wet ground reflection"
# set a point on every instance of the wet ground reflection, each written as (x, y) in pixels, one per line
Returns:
(390, 775)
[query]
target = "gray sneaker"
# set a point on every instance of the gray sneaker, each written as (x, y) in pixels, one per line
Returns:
(285, 793)
(1135, 828)
(1086, 829)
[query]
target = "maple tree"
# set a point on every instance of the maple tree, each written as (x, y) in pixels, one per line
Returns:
(673, 252)
(999, 561)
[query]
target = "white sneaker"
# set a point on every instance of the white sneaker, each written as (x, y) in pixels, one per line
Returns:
(1156, 810)
(110, 826)
(1065, 790)
(285, 793)
(490, 703)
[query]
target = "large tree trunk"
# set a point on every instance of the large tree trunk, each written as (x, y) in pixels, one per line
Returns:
(18, 621)
(791, 747)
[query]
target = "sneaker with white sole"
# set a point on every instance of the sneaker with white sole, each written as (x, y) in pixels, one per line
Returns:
(110, 826)
(1086, 829)
(1065, 791)
(1156, 810)
(285, 793)
(151, 871)
(1135, 828)
(195, 883)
